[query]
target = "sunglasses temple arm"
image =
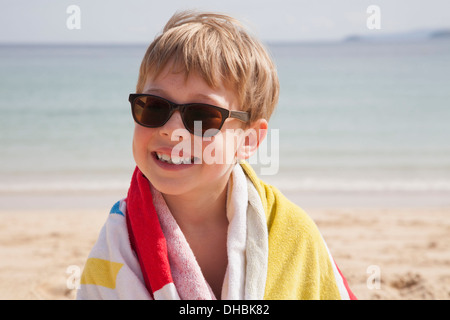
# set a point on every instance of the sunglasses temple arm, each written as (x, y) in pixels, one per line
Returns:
(243, 116)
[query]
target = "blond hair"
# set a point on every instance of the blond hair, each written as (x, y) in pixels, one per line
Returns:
(218, 48)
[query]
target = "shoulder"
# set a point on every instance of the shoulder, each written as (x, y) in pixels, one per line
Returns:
(280, 211)
(289, 219)
(113, 242)
(112, 268)
(113, 238)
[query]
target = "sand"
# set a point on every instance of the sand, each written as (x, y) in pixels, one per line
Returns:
(391, 253)
(384, 252)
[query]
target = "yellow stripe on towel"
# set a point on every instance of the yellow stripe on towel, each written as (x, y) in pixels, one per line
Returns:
(101, 272)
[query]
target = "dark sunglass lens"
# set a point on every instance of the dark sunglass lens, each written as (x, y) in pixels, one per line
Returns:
(210, 118)
(151, 111)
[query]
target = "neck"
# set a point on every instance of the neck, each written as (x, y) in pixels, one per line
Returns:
(204, 209)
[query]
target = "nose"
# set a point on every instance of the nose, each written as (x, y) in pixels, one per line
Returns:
(174, 127)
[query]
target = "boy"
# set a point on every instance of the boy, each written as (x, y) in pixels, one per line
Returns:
(197, 222)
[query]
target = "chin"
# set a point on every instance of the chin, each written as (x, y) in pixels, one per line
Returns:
(172, 185)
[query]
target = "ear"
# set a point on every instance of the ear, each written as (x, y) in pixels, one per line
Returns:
(253, 136)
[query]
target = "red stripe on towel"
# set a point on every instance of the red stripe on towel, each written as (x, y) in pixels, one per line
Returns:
(146, 236)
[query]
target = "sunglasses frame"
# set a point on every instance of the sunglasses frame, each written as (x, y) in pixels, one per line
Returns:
(240, 115)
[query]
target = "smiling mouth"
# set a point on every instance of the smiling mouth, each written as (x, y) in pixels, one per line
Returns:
(175, 159)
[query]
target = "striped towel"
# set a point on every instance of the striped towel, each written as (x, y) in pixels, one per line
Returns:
(274, 250)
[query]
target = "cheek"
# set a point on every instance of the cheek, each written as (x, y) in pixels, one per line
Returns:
(222, 148)
(141, 139)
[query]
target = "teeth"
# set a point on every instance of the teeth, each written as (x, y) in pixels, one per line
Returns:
(165, 157)
(174, 159)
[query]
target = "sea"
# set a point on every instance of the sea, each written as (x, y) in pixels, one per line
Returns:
(352, 117)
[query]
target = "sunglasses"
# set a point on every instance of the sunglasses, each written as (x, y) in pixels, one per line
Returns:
(153, 112)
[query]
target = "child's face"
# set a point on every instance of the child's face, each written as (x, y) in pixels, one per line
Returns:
(150, 144)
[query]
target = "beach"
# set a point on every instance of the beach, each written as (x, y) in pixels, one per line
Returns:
(391, 252)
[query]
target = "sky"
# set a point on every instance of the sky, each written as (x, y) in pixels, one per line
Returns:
(138, 21)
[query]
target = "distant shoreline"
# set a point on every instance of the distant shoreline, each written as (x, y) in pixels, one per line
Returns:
(416, 35)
